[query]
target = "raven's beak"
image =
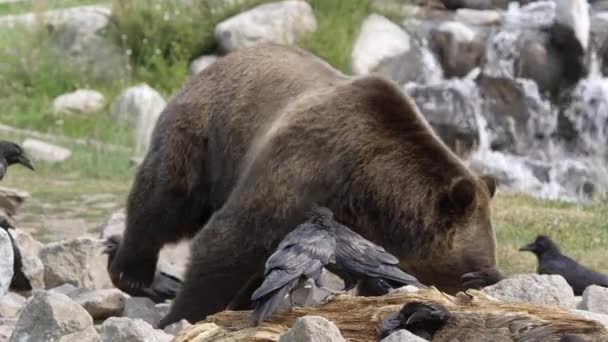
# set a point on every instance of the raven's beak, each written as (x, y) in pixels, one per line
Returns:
(25, 162)
(531, 247)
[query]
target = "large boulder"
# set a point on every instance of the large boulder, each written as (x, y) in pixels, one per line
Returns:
(312, 329)
(379, 39)
(50, 316)
(279, 22)
(139, 107)
(131, 330)
(11, 305)
(535, 289)
(6, 262)
(79, 262)
(81, 101)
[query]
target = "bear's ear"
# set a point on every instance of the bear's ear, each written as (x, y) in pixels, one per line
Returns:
(491, 183)
(460, 196)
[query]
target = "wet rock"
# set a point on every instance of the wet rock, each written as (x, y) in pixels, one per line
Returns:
(450, 110)
(535, 289)
(30, 251)
(458, 47)
(12, 199)
(595, 299)
(178, 327)
(6, 262)
(379, 39)
(139, 107)
(201, 63)
(40, 150)
(403, 336)
(131, 330)
(142, 308)
(81, 101)
(11, 305)
(312, 329)
(79, 262)
(279, 22)
(50, 316)
(101, 304)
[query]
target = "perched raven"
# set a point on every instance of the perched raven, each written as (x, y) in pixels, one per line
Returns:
(20, 282)
(552, 261)
(11, 153)
(323, 242)
(163, 287)
(421, 319)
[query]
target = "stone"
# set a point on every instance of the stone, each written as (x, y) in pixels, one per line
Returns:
(12, 199)
(478, 17)
(330, 281)
(101, 304)
(79, 262)
(67, 289)
(278, 22)
(142, 308)
(89, 335)
(379, 39)
(595, 299)
(49, 316)
(40, 150)
(403, 336)
(11, 305)
(534, 289)
(124, 329)
(89, 19)
(178, 327)
(201, 63)
(418, 66)
(139, 107)
(312, 329)
(81, 101)
(7, 325)
(6, 262)
(30, 251)
(603, 319)
(458, 47)
(114, 225)
(405, 289)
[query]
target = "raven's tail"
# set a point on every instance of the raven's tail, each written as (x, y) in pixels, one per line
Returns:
(265, 306)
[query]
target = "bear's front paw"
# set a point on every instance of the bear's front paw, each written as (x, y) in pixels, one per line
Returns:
(130, 271)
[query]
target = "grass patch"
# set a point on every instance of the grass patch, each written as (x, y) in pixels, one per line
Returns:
(580, 231)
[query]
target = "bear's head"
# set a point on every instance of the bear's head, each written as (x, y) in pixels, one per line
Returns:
(462, 238)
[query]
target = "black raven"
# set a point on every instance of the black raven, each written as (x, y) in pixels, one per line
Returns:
(421, 319)
(11, 153)
(323, 242)
(552, 261)
(163, 287)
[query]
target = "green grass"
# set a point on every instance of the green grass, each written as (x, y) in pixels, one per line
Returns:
(580, 231)
(32, 5)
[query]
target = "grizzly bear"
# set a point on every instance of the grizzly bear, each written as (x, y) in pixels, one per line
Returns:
(242, 152)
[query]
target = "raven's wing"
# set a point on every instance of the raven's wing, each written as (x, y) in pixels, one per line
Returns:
(356, 255)
(302, 253)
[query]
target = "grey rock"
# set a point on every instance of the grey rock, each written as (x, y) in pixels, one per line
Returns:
(90, 334)
(312, 329)
(595, 299)
(330, 281)
(79, 262)
(379, 39)
(405, 289)
(49, 316)
(131, 330)
(201, 63)
(535, 289)
(163, 309)
(403, 336)
(40, 150)
(478, 17)
(6, 262)
(30, 251)
(139, 107)
(603, 319)
(11, 305)
(278, 22)
(67, 289)
(142, 308)
(418, 65)
(178, 327)
(89, 19)
(101, 304)
(115, 225)
(7, 325)
(81, 101)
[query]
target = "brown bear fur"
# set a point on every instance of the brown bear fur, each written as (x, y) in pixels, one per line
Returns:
(252, 141)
